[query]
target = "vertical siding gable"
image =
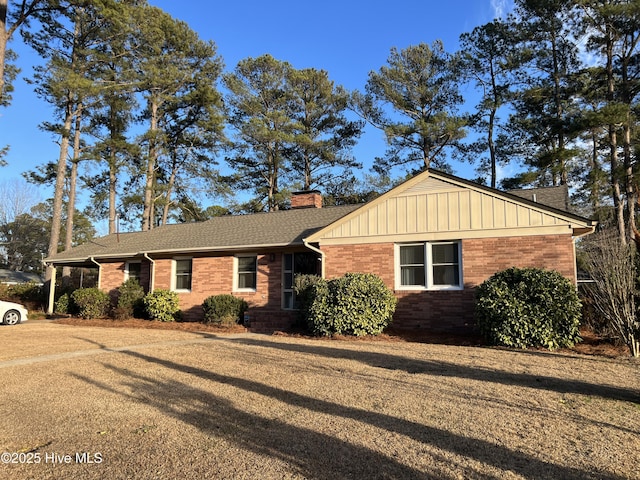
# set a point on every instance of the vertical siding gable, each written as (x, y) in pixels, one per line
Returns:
(433, 205)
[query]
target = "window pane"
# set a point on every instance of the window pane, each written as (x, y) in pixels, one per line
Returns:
(183, 282)
(246, 280)
(412, 275)
(446, 275)
(288, 261)
(445, 253)
(288, 300)
(183, 274)
(133, 270)
(412, 255)
(183, 266)
(306, 263)
(246, 264)
(288, 280)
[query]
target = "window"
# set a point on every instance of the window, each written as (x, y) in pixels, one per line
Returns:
(293, 264)
(182, 277)
(132, 270)
(428, 265)
(246, 273)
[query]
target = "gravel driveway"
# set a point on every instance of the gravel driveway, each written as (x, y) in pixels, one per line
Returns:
(90, 402)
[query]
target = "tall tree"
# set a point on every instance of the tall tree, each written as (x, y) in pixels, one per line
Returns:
(414, 99)
(64, 82)
(10, 22)
(260, 115)
(173, 63)
(613, 34)
(489, 59)
(544, 106)
(322, 134)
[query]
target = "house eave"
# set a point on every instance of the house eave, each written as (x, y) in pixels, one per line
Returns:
(86, 261)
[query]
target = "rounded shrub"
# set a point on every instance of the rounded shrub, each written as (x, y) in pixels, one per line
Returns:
(130, 295)
(355, 304)
(303, 288)
(224, 309)
(528, 307)
(61, 305)
(162, 305)
(90, 302)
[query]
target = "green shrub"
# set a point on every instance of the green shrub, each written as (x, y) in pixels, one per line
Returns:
(162, 305)
(61, 305)
(224, 309)
(130, 304)
(27, 292)
(528, 307)
(90, 302)
(303, 288)
(355, 304)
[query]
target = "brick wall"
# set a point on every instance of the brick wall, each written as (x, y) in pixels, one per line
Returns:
(434, 310)
(481, 258)
(214, 276)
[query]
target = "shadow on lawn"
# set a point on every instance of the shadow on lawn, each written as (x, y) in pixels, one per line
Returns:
(448, 369)
(313, 454)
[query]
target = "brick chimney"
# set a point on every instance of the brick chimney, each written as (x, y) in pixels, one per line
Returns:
(306, 199)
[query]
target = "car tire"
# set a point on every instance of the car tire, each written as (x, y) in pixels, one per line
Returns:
(12, 317)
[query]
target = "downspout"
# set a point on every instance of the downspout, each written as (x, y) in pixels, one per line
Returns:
(93, 260)
(152, 271)
(319, 252)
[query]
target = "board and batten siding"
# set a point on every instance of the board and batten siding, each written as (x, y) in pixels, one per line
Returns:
(443, 210)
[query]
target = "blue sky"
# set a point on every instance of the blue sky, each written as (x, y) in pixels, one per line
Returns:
(347, 38)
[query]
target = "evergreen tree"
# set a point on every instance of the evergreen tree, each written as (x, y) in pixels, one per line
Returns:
(172, 64)
(489, 59)
(414, 100)
(322, 134)
(261, 118)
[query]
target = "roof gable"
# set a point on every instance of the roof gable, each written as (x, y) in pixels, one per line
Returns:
(433, 205)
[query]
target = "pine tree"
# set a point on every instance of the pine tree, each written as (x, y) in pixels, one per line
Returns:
(414, 100)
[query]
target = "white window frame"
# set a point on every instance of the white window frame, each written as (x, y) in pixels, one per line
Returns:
(127, 276)
(428, 274)
(174, 263)
(236, 273)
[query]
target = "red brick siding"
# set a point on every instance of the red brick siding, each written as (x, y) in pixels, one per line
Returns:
(435, 310)
(453, 310)
(214, 276)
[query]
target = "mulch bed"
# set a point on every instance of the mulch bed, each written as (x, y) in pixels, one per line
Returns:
(592, 343)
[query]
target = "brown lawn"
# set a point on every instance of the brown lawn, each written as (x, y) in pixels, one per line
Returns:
(194, 402)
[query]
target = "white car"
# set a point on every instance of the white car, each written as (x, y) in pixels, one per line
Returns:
(12, 313)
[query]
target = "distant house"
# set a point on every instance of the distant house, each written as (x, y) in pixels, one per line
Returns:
(432, 239)
(9, 277)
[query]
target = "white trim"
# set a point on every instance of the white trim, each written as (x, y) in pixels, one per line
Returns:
(174, 261)
(127, 274)
(236, 273)
(428, 267)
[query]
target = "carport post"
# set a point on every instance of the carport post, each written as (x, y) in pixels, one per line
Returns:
(52, 289)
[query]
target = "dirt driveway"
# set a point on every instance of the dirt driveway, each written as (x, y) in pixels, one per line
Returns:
(90, 402)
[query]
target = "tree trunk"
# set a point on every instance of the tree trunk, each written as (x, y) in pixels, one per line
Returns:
(4, 39)
(61, 172)
(71, 201)
(167, 195)
(148, 211)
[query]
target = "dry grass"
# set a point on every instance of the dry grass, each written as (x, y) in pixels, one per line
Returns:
(185, 404)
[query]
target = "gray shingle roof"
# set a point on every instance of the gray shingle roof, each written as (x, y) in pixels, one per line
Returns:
(233, 232)
(555, 197)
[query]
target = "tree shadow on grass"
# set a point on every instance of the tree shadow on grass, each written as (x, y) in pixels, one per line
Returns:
(449, 369)
(308, 453)
(317, 455)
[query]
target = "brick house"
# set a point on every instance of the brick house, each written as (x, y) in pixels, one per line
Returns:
(432, 240)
